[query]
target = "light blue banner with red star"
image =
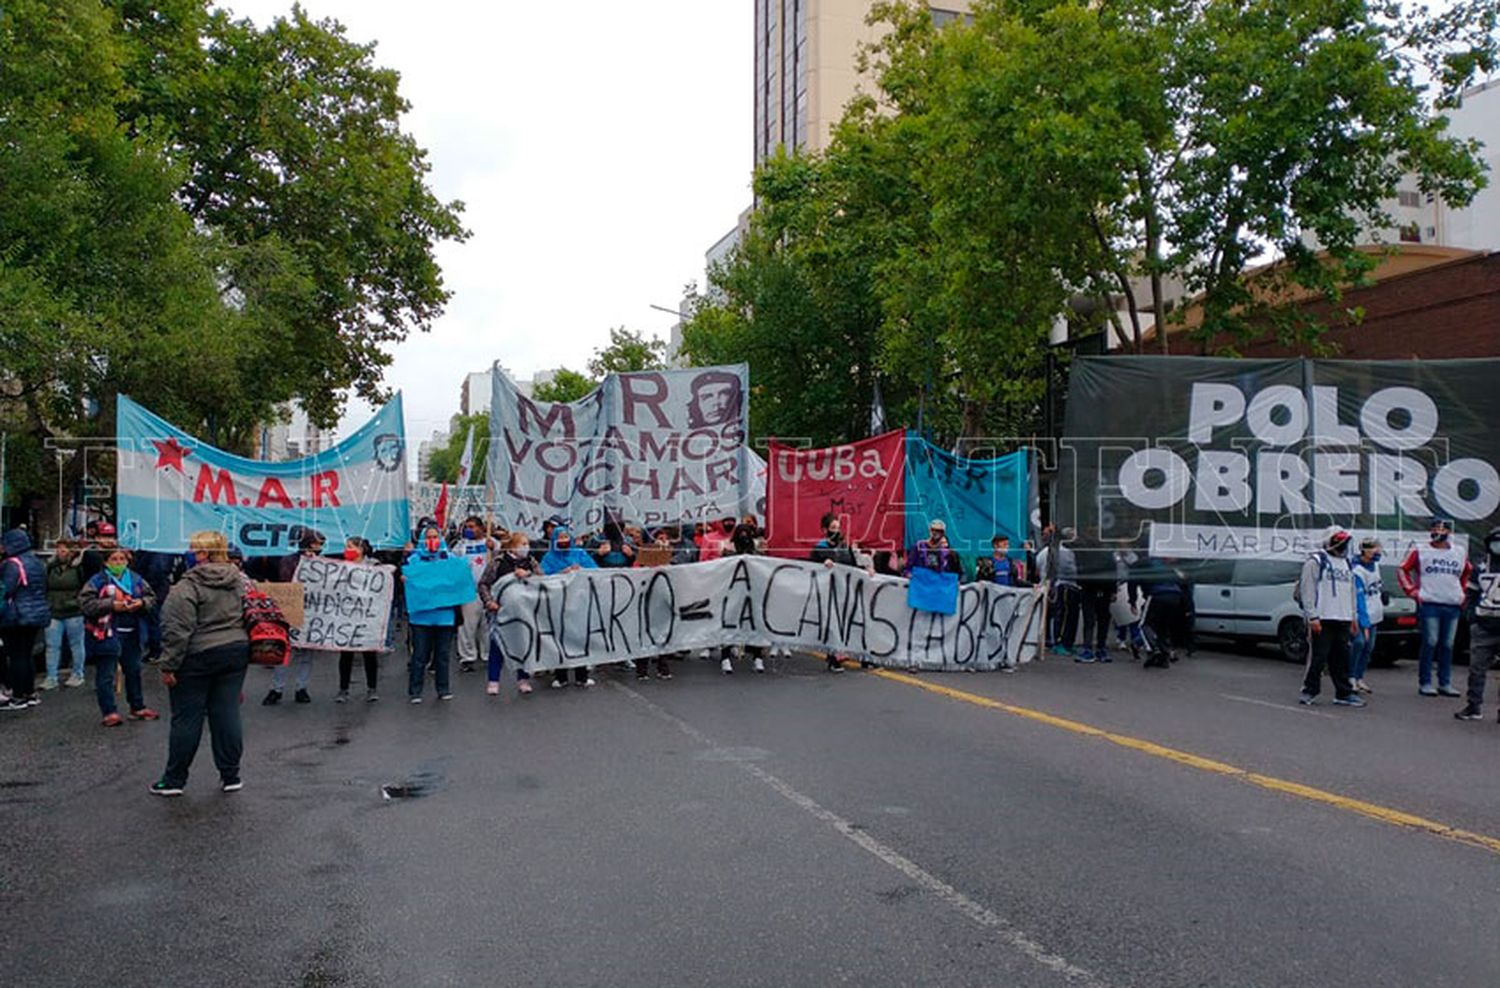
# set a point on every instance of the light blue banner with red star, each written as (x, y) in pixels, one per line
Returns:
(171, 485)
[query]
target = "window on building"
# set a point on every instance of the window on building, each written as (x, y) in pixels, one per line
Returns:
(942, 18)
(1411, 234)
(1409, 199)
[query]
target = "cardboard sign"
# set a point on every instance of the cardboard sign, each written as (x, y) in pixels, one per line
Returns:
(288, 597)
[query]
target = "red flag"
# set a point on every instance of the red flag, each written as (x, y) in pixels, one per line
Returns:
(440, 512)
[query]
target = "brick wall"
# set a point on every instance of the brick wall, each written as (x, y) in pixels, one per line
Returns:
(1448, 311)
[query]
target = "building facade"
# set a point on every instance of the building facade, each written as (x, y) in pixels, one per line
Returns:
(805, 67)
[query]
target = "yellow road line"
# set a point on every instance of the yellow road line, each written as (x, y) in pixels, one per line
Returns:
(1372, 810)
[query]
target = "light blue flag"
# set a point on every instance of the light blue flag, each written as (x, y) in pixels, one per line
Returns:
(436, 583)
(932, 591)
(975, 499)
(171, 485)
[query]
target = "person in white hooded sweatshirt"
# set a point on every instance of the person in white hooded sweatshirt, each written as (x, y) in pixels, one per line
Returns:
(1326, 593)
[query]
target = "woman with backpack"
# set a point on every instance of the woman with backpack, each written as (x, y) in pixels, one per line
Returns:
(23, 615)
(204, 652)
(113, 602)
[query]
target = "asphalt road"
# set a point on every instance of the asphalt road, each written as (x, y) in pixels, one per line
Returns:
(786, 829)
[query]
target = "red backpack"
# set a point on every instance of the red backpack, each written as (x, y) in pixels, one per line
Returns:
(270, 644)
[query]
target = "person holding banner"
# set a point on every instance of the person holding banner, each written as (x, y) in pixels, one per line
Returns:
(309, 545)
(514, 559)
(432, 620)
(934, 552)
(831, 550)
(113, 601)
(564, 557)
(746, 540)
(359, 552)
(474, 546)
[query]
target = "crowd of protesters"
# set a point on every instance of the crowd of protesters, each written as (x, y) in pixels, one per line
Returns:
(97, 603)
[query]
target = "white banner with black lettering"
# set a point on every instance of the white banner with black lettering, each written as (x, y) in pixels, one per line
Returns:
(346, 606)
(593, 617)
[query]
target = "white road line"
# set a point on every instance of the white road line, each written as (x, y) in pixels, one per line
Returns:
(1299, 709)
(1012, 937)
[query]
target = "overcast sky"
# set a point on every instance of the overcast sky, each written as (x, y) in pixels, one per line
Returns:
(599, 147)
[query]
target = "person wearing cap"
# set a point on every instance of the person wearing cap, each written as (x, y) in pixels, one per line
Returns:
(1326, 593)
(104, 539)
(934, 553)
(540, 547)
(1369, 600)
(1435, 575)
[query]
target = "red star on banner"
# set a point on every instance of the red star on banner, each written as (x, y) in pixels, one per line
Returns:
(169, 454)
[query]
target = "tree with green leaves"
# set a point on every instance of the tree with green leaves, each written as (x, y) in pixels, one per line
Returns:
(628, 351)
(565, 385)
(443, 464)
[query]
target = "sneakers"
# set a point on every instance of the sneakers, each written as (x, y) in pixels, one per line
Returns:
(1307, 699)
(371, 696)
(1426, 691)
(1061, 650)
(557, 683)
(231, 786)
(759, 665)
(145, 713)
(1469, 712)
(523, 687)
(834, 665)
(466, 666)
(587, 684)
(414, 699)
(492, 688)
(1102, 655)
(727, 667)
(272, 698)
(1362, 686)
(641, 675)
(161, 788)
(50, 683)
(13, 704)
(1352, 700)
(112, 720)
(445, 696)
(1448, 691)
(1084, 655)
(301, 697)
(75, 679)
(342, 697)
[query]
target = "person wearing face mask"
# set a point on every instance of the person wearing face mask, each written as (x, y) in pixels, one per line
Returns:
(358, 551)
(431, 630)
(64, 580)
(112, 602)
(473, 634)
(513, 560)
(831, 551)
(1369, 598)
(745, 540)
(23, 615)
(1326, 593)
(1484, 626)
(1435, 575)
(310, 545)
(565, 557)
(715, 540)
(205, 650)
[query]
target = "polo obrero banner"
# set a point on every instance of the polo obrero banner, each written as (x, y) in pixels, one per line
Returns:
(171, 485)
(1215, 458)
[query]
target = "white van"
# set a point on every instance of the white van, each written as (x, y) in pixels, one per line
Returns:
(1251, 600)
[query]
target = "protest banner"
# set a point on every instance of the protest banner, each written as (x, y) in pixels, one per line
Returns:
(652, 447)
(1221, 459)
(345, 606)
(598, 616)
(863, 483)
(431, 584)
(171, 485)
(463, 500)
(977, 499)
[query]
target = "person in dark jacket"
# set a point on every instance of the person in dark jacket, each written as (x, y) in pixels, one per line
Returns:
(156, 568)
(64, 580)
(747, 539)
(1169, 609)
(23, 615)
(513, 559)
(204, 653)
(831, 551)
(934, 553)
(112, 602)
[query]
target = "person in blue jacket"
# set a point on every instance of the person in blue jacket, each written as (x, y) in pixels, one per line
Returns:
(24, 612)
(564, 557)
(431, 631)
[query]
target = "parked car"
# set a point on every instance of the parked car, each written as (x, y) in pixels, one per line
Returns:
(1251, 600)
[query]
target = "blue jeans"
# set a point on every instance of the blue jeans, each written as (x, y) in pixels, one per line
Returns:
(128, 657)
(59, 631)
(1439, 624)
(302, 661)
(208, 685)
(1360, 650)
(496, 664)
(430, 644)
